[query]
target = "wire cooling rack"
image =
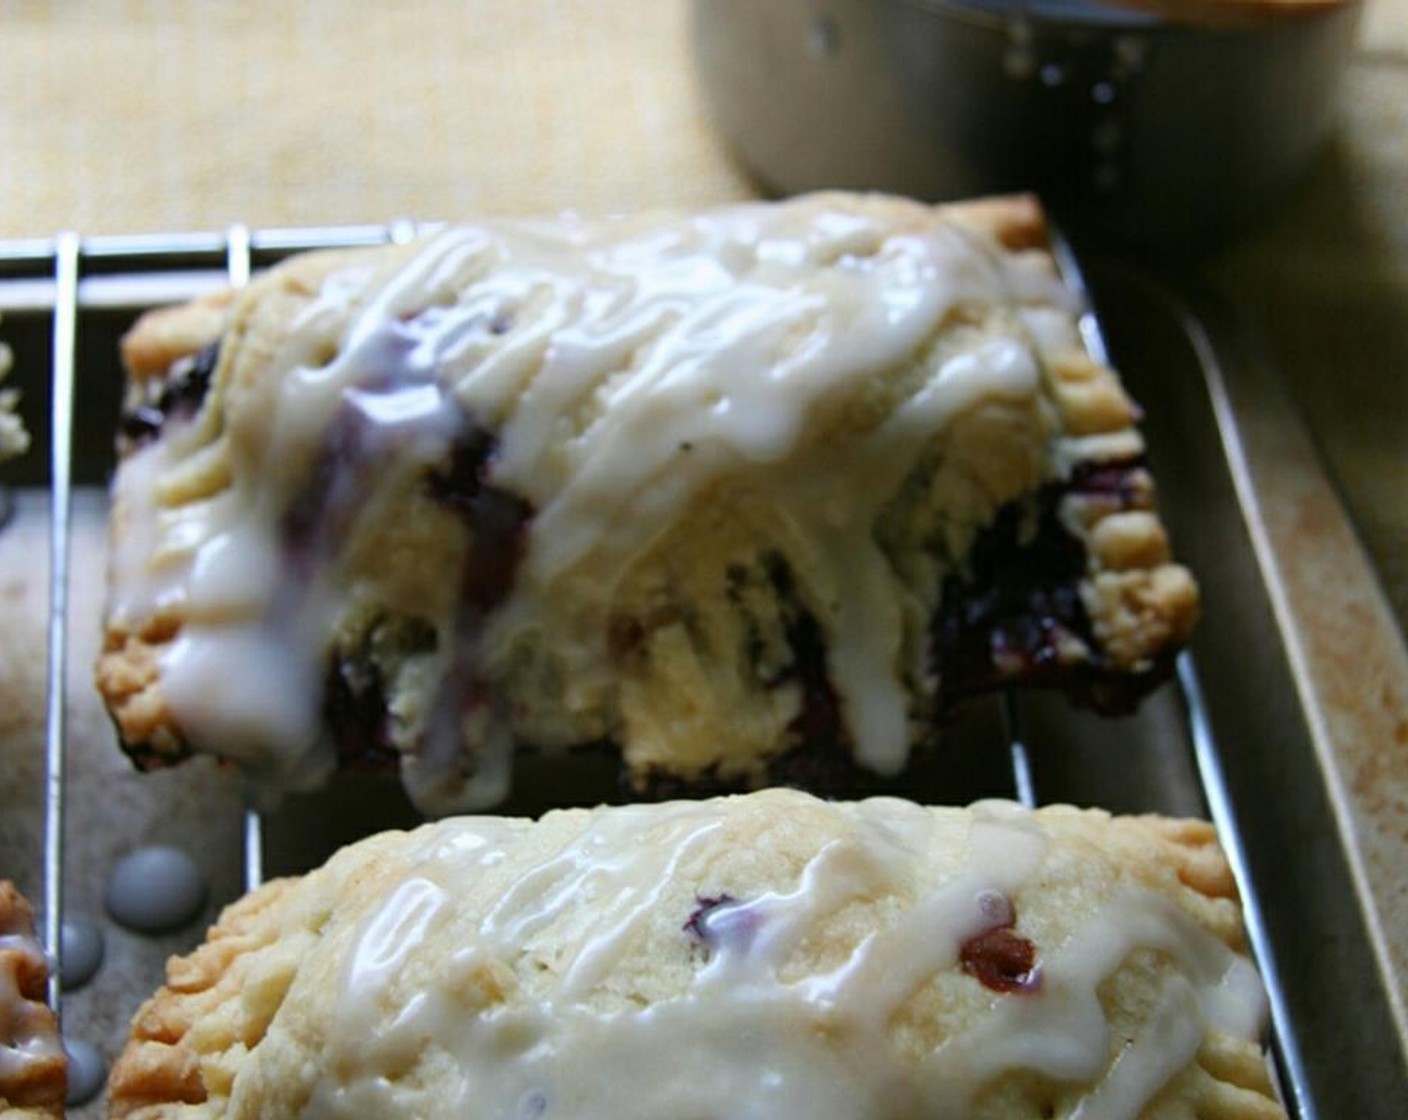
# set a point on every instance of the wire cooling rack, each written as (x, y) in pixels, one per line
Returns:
(68, 276)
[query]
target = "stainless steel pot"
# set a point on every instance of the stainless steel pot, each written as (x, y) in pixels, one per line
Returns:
(1127, 124)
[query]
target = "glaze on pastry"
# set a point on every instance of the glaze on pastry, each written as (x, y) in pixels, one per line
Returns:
(705, 488)
(759, 957)
(33, 1071)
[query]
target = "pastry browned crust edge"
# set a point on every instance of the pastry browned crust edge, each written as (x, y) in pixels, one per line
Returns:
(189, 1040)
(38, 1084)
(161, 1071)
(128, 666)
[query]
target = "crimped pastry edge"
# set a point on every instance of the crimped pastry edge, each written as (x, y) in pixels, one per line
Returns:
(173, 1068)
(40, 1087)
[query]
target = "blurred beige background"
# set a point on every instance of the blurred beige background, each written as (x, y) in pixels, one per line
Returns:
(119, 117)
(129, 116)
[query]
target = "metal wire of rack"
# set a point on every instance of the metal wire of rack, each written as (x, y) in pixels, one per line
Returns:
(66, 275)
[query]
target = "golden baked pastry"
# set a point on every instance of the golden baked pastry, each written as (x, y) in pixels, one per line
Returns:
(755, 495)
(764, 956)
(14, 439)
(33, 1070)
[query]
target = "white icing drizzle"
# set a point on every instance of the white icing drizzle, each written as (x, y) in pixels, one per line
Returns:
(752, 1029)
(27, 1033)
(627, 367)
(1065, 1036)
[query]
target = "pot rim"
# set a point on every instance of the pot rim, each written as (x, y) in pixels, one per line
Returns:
(1146, 16)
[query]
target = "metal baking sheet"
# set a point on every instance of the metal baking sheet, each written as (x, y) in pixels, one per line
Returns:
(1244, 735)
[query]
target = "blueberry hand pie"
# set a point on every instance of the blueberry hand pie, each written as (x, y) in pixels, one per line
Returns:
(761, 957)
(730, 493)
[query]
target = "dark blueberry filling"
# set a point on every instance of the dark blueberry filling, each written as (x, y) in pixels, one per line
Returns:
(319, 520)
(819, 718)
(997, 957)
(697, 924)
(723, 924)
(316, 523)
(625, 636)
(497, 521)
(465, 475)
(1117, 479)
(182, 393)
(355, 710)
(1005, 622)
(148, 758)
(355, 706)
(1002, 961)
